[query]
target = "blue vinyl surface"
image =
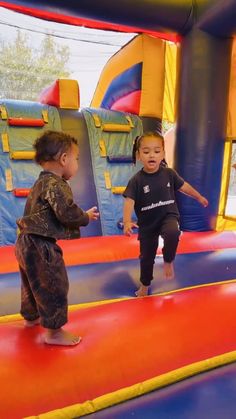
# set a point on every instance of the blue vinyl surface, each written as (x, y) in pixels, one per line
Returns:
(127, 82)
(103, 281)
(208, 395)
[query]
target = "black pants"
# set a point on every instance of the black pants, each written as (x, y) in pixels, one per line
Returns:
(170, 232)
(44, 281)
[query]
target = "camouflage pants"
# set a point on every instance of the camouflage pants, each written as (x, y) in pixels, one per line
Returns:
(44, 281)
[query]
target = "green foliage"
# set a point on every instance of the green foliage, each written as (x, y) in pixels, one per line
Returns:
(26, 71)
(166, 126)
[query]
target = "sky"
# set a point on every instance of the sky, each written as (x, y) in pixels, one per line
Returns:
(90, 48)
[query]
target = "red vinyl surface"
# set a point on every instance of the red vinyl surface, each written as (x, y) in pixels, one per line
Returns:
(26, 122)
(21, 192)
(80, 21)
(123, 343)
(113, 248)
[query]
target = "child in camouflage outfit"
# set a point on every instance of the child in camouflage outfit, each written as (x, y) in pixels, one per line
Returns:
(50, 214)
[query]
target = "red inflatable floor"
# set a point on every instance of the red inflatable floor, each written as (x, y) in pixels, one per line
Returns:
(112, 248)
(124, 343)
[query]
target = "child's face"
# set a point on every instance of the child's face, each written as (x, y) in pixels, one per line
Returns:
(151, 153)
(71, 162)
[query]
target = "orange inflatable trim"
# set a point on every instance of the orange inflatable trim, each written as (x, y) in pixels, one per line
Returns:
(21, 192)
(113, 248)
(26, 122)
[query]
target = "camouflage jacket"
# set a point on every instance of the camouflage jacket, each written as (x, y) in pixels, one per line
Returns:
(50, 210)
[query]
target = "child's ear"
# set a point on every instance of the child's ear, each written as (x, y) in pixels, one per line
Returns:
(62, 159)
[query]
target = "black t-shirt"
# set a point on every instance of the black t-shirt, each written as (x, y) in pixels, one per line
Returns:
(154, 196)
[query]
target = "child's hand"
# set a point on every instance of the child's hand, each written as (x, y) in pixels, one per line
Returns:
(234, 165)
(203, 201)
(93, 213)
(128, 227)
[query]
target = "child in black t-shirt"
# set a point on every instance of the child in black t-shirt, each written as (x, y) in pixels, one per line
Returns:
(151, 194)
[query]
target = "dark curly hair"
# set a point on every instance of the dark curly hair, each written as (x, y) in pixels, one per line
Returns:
(51, 145)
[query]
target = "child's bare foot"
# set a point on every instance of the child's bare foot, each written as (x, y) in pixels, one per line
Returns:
(169, 270)
(31, 323)
(142, 291)
(61, 337)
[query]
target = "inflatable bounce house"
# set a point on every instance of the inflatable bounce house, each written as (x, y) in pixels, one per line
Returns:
(155, 356)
